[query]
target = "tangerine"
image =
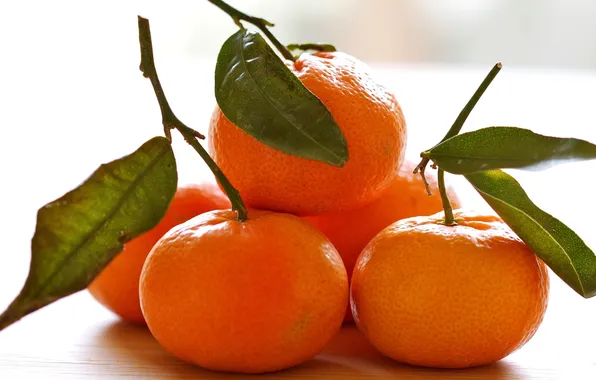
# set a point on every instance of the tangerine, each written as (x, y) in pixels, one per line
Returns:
(117, 286)
(366, 112)
(429, 294)
(350, 231)
(255, 296)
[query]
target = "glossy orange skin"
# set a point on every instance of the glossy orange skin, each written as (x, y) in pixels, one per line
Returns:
(449, 296)
(255, 296)
(350, 231)
(370, 119)
(117, 286)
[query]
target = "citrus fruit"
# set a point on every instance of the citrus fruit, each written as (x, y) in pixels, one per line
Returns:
(458, 296)
(406, 196)
(254, 296)
(117, 286)
(369, 117)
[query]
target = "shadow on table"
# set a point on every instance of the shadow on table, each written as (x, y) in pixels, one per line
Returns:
(132, 349)
(359, 359)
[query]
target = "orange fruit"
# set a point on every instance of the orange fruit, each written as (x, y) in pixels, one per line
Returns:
(117, 286)
(370, 119)
(350, 231)
(433, 295)
(254, 296)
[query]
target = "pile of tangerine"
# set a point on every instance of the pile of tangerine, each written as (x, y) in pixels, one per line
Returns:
(323, 245)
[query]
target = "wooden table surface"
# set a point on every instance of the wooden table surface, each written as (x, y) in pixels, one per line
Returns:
(60, 127)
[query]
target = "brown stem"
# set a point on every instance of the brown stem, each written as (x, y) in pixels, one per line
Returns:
(421, 168)
(260, 23)
(170, 121)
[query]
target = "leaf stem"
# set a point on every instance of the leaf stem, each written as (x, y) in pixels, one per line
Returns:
(449, 219)
(260, 23)
(168, 118)
(170, 121)
(465, 112)
(461, 119)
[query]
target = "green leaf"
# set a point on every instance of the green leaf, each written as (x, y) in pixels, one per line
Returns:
(312, 46)
(256, 91)
(506, 147)
(78, 234)
(555, 243)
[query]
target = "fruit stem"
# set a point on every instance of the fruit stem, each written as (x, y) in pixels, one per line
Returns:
(461, 119)
(465, 112)
(449, 219)
(170, 121)
(260, 23)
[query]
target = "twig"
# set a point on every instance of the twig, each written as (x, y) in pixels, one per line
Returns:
(170, 121)
(260, 23)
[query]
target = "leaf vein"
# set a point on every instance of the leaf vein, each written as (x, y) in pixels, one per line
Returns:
(298, 127)
(102, 223)
(543, 229)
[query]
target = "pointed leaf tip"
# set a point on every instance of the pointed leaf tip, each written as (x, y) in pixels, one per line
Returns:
(78, 234)
(506, 147)
(551, 240)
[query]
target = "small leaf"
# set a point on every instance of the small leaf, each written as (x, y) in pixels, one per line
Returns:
(312, 46)
(555, 243)
(506, 147)
(78, 234)
(256, 91)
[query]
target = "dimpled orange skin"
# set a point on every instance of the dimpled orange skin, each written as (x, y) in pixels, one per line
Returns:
(117, 286)
(370, 119)
(255, 296)
(432, 295)
(350, 231)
